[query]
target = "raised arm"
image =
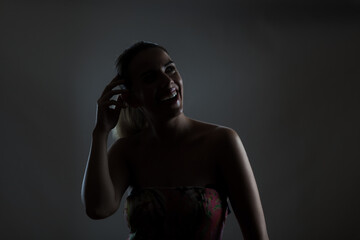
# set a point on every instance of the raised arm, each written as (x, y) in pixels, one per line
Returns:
(106, 176)
(241, 185)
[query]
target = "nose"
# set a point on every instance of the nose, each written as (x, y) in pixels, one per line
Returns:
(166, 80)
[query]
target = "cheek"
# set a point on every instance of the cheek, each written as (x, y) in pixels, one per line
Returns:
(176, 78)
(148, 95)
(180, 83)
(179, 78)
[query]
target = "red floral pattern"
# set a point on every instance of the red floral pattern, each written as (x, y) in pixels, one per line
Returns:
(176, 213)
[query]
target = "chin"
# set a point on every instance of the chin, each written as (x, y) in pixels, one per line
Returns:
(172, 114)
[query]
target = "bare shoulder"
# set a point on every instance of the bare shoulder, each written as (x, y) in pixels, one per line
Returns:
(210, 129)
(119, 156)
(118, 146)
(223, 136)
(226, 143)
(215, 133)
(219, 139)
(122, 147)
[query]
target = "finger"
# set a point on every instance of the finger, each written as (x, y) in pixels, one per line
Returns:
(122, 101)
(122, 87)
(118, 78)
(115, 82)
(119, 103)
(107, 104)
(110, 88)
(111, 93)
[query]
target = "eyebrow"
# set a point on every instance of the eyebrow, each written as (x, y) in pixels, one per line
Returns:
(149, 71)
(168, 63)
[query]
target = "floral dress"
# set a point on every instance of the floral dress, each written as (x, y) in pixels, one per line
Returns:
(175, 213)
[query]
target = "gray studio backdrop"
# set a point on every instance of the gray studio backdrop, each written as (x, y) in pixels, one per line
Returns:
(284, 76)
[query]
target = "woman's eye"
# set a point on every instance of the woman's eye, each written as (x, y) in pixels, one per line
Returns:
(170, 69)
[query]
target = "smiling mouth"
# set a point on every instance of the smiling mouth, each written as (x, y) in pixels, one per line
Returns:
(170, 96)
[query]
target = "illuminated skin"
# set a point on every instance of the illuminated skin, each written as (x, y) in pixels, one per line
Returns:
(174, 151)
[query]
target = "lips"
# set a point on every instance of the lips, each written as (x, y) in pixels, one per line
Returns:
(169, 94)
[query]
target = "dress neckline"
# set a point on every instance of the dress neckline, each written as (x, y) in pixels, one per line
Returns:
(207, 186)
(213, 187)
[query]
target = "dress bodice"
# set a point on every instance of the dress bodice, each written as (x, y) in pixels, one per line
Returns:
(175, 213)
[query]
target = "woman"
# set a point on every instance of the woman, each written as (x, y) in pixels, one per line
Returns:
(181, 171)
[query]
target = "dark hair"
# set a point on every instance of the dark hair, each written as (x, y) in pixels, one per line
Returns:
(124, 60)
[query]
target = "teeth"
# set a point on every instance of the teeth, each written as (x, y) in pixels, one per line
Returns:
(173, 94)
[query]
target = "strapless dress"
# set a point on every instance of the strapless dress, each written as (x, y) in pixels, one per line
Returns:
(175, 213)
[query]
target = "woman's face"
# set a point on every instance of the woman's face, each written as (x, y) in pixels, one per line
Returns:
(157, 86)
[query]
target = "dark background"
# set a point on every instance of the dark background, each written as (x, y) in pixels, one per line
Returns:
(283, 74)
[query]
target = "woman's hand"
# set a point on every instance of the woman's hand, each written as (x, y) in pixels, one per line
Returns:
(108, 110)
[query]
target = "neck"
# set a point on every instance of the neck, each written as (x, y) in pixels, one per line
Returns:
(169, 130)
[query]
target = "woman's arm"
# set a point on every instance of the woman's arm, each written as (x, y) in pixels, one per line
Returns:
(241, 185)
(105, 179)
(106, 174)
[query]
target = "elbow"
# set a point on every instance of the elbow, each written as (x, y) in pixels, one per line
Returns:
(95, 211)
(98, 210)
(97, 214)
